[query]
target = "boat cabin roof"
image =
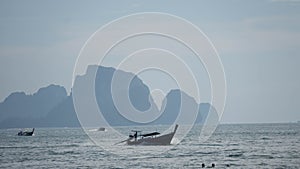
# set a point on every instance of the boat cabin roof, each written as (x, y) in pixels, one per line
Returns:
(150, 134)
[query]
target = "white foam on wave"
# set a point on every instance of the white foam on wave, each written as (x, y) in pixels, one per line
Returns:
(175, 140)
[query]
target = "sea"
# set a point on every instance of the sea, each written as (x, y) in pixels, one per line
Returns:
(230, 146)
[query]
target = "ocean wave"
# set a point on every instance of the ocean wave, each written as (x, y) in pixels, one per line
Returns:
(235, 155)
(260, 156)
(206, 153)
(17, 147)
(51, 152)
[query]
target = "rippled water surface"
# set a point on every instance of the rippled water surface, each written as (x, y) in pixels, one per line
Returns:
(231, 146)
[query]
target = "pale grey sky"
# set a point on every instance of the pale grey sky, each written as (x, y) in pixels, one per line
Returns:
(258, 43)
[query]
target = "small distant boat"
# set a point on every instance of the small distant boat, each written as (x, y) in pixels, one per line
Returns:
(153, 138)
(26, 133)
(101, 129)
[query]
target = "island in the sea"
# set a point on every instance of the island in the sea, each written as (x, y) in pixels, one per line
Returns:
(52, 106)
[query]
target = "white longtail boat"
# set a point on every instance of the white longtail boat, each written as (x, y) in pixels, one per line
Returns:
(150, 138)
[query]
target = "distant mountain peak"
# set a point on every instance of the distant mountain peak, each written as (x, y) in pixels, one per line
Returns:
(52, 107)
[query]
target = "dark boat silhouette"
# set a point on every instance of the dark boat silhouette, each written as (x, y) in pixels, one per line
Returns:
(153, 138)
(26, 133)
(101, 129)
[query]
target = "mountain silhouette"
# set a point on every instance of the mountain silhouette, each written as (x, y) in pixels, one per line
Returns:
(177, 102)
(52, 107)
(22, 110)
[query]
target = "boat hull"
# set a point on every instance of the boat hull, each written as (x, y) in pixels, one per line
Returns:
(159, 140)
(26, 133)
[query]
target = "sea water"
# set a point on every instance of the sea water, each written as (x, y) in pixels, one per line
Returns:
(231, 146)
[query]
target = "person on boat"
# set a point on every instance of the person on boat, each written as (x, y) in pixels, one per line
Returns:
(135, 135)
(20, 132)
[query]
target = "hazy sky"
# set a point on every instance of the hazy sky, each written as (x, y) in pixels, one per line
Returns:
(258, 43)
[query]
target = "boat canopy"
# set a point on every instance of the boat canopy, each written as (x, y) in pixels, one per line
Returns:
(150, 134)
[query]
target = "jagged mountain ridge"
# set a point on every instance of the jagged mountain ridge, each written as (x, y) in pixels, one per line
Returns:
(52, 107)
